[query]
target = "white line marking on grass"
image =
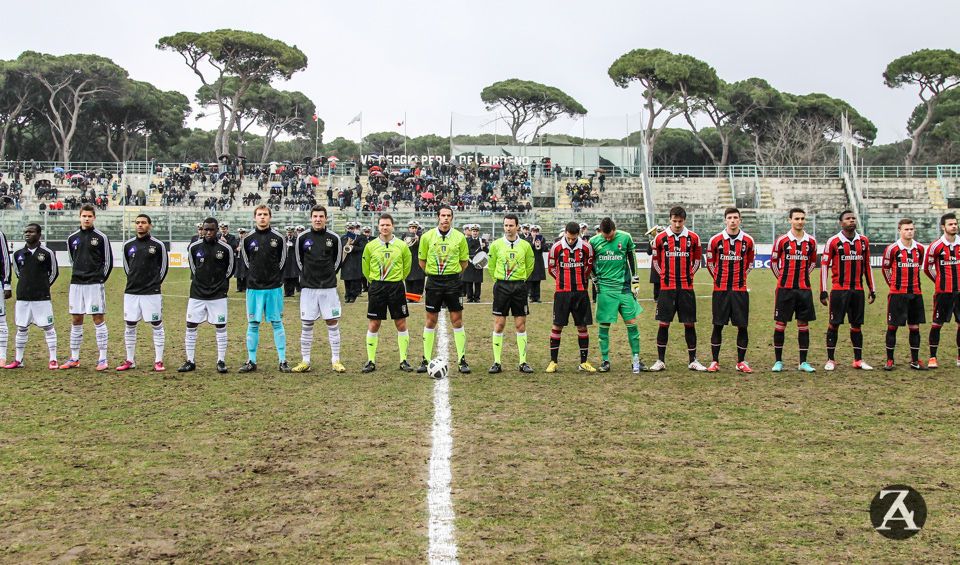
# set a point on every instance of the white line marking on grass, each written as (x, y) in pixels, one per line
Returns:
(443, 546)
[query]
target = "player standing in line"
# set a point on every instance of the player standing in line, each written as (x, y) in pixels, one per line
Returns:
(36, 268)
(443, 255)
(511, 262)
(5, 269)
(676, 257)
(212, 260)
(941, 265)
(320, 255)
(386, 263)
(615, 267)
(571, 264)
(847, 257)
(92, 260)
(902, 262)
(145, 263)
(729, 260)
(793, 258)
(264, 251)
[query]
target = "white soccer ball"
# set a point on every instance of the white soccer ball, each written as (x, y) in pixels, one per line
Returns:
(438, 368)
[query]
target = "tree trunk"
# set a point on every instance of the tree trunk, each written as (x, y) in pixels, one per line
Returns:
(915, 134)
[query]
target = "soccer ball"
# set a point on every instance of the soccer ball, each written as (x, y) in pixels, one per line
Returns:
(438, 368)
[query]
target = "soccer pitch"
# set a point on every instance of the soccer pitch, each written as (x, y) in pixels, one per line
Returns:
(569, 467)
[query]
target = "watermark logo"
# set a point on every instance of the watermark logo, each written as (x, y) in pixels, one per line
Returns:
(898, 512)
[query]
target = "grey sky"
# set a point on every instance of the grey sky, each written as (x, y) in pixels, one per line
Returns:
(429, 59)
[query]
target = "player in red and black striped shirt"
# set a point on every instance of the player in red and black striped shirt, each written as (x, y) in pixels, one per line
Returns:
(793, 258)
(902, 262)
(729, 259)
(570, 262)
(846, 257)
(941, 265)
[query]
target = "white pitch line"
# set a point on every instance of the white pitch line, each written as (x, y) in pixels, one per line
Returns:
(443, 546)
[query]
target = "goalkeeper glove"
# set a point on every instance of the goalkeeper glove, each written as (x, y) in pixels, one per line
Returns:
(635, 287)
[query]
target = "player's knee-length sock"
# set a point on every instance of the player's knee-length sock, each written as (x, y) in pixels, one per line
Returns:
(891, 341)
(583, 340)
(190, 343)
(20, 343)
(4, 337)
(497, 342)
(102, 338)
(130, 340)
(306, 342)
(159, 342)
(403, 342)
(690, 334)
(76, 339)
(429, 335)
(280, 340)
(742, 342)
(633, 335)
(253, 340)
(373, 340)
(555, 345)
(333, 335)
(50, 334)
(914, 342)
(222, 344)
(604, 338)
(778, 338)
(934, 340)
(716, 339)
(856, 338)
(522, 346)
(663, 334)
(460, 337)
(803, 340)
(832, 334)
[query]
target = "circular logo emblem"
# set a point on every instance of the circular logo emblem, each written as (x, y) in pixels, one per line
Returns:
(898, 512)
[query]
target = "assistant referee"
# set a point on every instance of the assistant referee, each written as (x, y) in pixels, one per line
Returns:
(511, 262)
(386, 263)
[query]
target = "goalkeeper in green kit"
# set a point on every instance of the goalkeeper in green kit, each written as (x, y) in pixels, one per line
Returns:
(615, 266)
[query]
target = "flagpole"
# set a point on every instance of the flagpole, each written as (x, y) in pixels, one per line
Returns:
(405, 137)
(316, 139)
(361, 136)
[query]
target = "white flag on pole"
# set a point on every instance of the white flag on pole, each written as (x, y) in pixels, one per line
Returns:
(355, 120)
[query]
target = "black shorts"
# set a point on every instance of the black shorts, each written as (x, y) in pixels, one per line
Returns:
(575, 302)
(794, 301)
(443, 291)
(510, 298)
(680, 302)
(903, 309)
(382, 296)
(946, 307)
(846, 304)
(731, 306)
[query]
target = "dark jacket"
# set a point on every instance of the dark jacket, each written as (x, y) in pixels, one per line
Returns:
(90, 256)
(319, 255)
(210, 268)
(36, 272)
(145, 262)
(264, 252)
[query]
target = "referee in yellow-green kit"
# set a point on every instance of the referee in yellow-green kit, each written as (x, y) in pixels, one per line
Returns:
(443, 255)
(511, 262)
(386, 263)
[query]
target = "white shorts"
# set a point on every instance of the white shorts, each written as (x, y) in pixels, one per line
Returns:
(210, 311)
(37, 312)
(146, 307)
(319, 303)
(87, 299)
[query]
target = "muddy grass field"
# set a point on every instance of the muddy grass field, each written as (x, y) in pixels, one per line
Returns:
(678, 466)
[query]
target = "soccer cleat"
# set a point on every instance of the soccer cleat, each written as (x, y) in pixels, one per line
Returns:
(641, 366)
(889, 365)
(158, 367)
(958, 362)
(247, 367)
(102, 365)
(462, 366)
(126, 365)
(189, 366)
(777, 367)
(423, 366)
(831, 365)
(74, 363)
(221, 367)
(301, 367)
(405, 367)
(931, 364)
(713, 367)
(604, 367)
(917, 366)
(338, 367)
(585, 367)
(743, 367)
(806, 368)
(861, 364)
(15, 365)
(285, 367)
(495, 368)
(53, 364)
(658, 366)
(696, 366)
(552, 367)
(525, 368)
(369, 367)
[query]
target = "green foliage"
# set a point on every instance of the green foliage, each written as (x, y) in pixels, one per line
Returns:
(934, 70)
(530, 102)
(816, 106)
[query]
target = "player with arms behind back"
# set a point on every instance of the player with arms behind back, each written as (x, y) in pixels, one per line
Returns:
(793, 258)
(36, 268)
(902, 262)
(729, 260)
(571, 264)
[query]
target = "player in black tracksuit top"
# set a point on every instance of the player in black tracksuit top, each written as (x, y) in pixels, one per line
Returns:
(5, 269)
(319, 255)
(264, 252)
(36, 268)
(145, 262)
(92, 260)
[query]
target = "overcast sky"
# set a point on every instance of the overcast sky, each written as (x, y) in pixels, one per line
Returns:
(430, 59)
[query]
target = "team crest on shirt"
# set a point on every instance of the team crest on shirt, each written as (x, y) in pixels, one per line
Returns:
(152, 250)
(94, 241)
(443, 249)
(273, 243)
(386, 255)
(219, 254)
(620, 246)
(40, 257)
(329, 243)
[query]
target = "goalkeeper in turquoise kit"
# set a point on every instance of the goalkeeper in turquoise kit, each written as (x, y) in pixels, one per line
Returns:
(615, 266)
